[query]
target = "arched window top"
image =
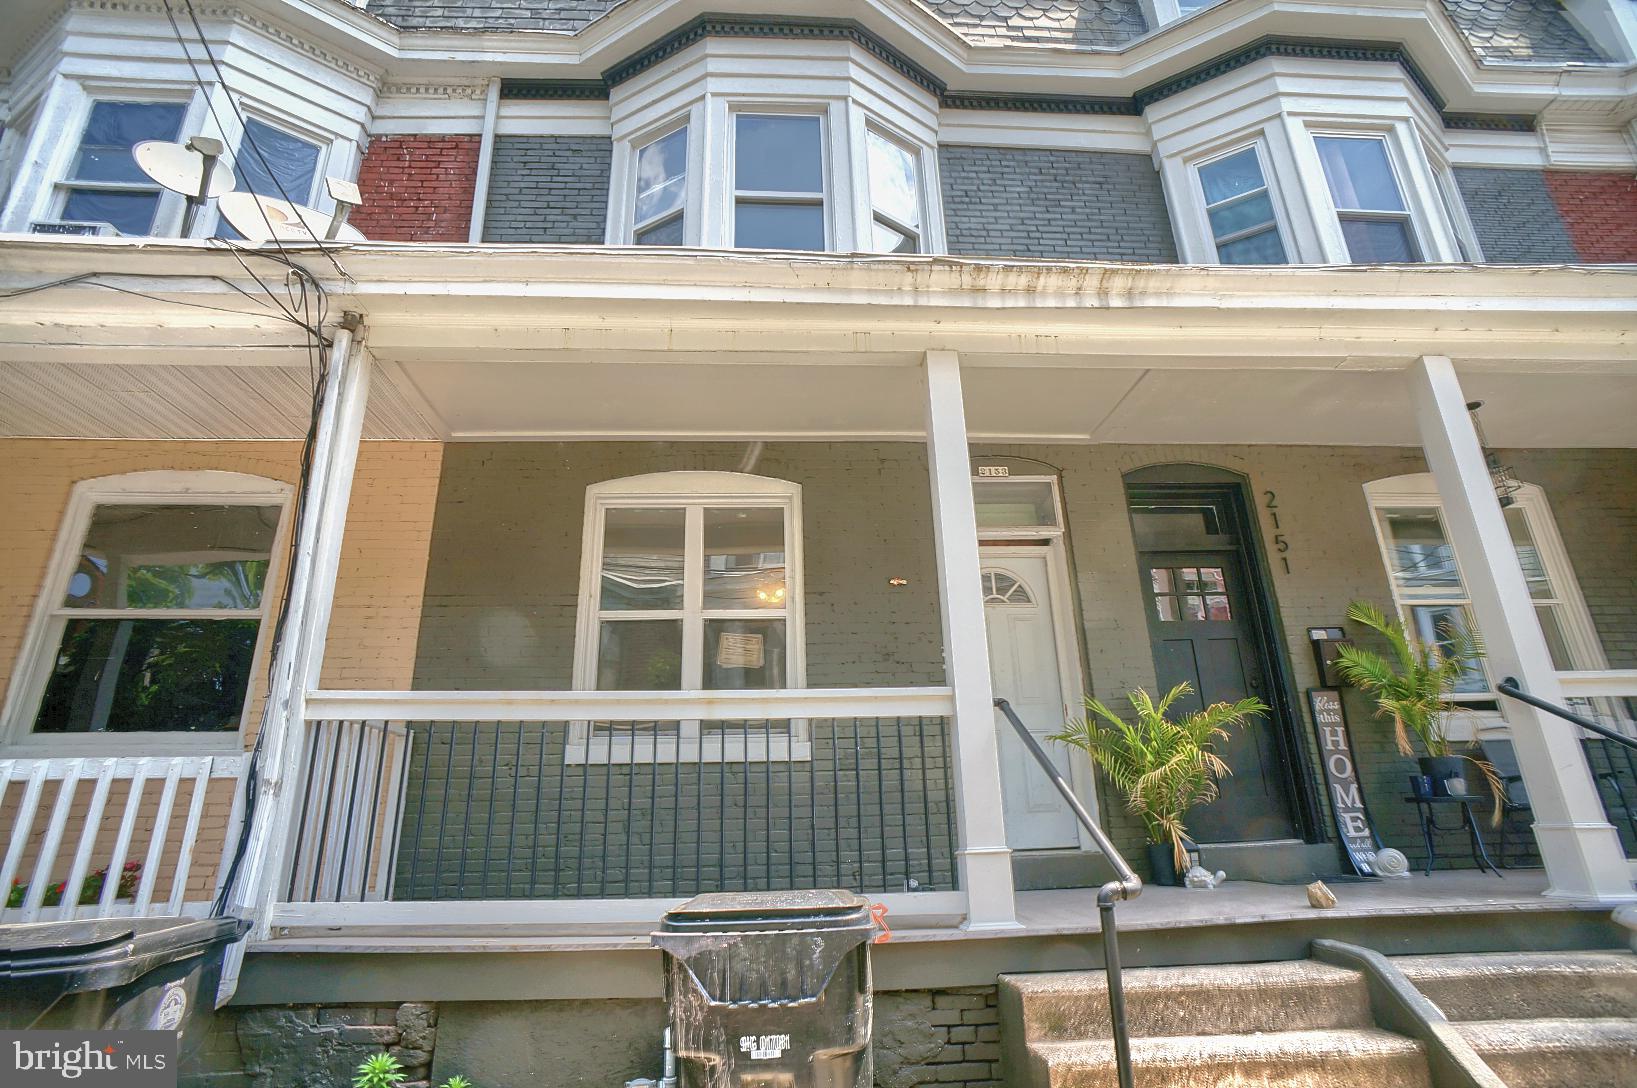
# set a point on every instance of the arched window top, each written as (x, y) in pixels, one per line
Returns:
(692, 485)
(999, 587)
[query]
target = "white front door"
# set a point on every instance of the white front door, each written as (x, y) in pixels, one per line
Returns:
(1024, 667)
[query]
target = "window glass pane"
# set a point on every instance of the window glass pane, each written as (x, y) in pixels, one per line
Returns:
(1236, 175)
(778, 226)
(777, 154)
(1193, 608)
(1165, 608)
(1252, 211)
(1552, 628)
(744, 557)
(1434, 625)
(134, 675)
(885, 239)
(642, 559)
(1379, 241)
(143, 556)
(893, 189)
(744, 654)
(639, 655)
(1005, 504)
(1160, 579)
(129, 213)
(1422, 560)
(668, 232)
(1534, 567)
(662, 176)
(1264, 248)
(113, 129)
(1359, 174)
(1216, 608)
(284, 169)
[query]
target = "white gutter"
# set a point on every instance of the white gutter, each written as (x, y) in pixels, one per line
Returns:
(485, 160)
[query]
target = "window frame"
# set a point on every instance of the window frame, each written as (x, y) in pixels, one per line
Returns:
(687, 211)
(690, 491)
(34, 661)
(1258, 145)
(1414, 229)
(873, 215)
(824, 197)
(1419, 491)
(212, 225)
(64, 184)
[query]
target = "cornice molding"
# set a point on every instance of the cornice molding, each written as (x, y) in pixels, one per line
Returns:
(1489, 122)
(435, 90)
(559, 89)
(1304, 48)
(1038, 103)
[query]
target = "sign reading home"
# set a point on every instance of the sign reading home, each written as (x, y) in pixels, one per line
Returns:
(88, 1059)
(1341, 779)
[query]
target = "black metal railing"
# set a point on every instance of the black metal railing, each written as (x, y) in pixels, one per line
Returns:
(1509, 687)
(585, 810)
(1126, 885)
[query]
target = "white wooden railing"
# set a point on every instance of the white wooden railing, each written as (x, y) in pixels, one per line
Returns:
(163, 806)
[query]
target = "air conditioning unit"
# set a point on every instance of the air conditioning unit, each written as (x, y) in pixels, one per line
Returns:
(71, 226)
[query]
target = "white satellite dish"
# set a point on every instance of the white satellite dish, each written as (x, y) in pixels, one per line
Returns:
(181, 169)
(263, 219)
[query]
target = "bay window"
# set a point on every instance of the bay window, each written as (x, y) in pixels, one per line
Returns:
(1368, 200)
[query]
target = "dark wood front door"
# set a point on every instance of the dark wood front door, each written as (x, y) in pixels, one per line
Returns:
(1202, 630)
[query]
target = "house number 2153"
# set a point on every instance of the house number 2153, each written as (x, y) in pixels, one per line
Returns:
(1271, 505)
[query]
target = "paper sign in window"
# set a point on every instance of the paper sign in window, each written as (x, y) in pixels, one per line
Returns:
(739, 651)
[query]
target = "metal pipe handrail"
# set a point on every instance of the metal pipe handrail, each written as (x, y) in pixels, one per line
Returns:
(1126, 885)
(1509, 687)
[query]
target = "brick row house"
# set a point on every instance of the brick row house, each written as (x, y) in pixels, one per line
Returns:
(726, 404)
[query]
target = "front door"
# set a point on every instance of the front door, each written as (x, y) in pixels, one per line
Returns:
(1026, 671)
(1203, 632)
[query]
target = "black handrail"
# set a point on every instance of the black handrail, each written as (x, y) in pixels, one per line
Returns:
(1126, 885)
(1509, 687)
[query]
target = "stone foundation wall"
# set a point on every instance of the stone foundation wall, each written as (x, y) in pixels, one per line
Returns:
(927, 1038)
(313, 1046)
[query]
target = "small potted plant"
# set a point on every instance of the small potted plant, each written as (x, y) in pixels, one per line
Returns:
(1412, 686)
(1164, 766)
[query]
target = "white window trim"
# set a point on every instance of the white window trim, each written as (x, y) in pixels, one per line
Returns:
(316, 193)
(687, 489)
(1258, 144)
(1420, 490)
(167, 218)
(1423, 207)
(690, 177)
(32, 668)
(864, 215)
(1025, 532)
(829, 199)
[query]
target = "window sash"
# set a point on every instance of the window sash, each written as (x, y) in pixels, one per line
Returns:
(1263, 191)
(643, 224)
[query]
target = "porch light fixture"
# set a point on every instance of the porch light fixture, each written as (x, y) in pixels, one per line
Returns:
(1502, 477)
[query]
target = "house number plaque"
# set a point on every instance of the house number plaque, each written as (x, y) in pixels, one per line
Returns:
(1341, 779)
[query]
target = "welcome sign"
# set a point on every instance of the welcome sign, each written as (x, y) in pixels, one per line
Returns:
(1341, 779)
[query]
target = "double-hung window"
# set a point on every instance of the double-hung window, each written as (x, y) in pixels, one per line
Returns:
(273, 163)
(691, 583)
(154, 613)
(1368, 200)
(1240, 208)
(104, 184)
(895, 195)
(778, 181)
(660, 217)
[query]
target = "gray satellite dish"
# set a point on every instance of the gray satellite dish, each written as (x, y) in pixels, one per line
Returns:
(263, 219)
(182, 170)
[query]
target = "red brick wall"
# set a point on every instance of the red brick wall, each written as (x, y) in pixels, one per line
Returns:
(1600, 212)
(417, 188)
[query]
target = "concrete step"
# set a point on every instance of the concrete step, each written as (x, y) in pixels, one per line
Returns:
(1587, 1053)
(1337, 1058)
(1209, 1000)
(1527, 985)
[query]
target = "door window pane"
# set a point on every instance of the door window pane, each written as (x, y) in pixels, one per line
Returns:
(744, 654)
(744, 557)
(777, 154)
(273, 163)
(151, 556)
(894, 195)
(639, 655)
(642, 561)
(137, 675)
(1360, 176)
(662, 184)
(1422, 561)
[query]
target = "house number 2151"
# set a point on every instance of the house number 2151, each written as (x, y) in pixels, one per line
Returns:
(1271, 504)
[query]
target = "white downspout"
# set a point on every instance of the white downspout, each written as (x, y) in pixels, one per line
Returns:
(485, 159)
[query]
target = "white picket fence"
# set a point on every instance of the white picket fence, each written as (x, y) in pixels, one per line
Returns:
(160, 787)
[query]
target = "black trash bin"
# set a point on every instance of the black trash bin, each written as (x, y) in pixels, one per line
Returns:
(115, 974)
(770, 989)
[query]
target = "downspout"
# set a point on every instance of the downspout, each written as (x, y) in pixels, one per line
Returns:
(485, 160)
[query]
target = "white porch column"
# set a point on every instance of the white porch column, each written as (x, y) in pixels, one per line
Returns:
(985, 859)
(1582, 852)
(301, 651)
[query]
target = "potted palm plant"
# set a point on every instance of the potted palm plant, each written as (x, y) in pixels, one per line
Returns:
(1164, 766)
(1412, 686)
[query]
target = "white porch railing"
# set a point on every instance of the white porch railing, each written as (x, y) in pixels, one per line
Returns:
(540, 812)
(80, 864)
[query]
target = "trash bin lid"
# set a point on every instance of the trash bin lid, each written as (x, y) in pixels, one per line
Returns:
(808, 909)
(112, 951)
(32, 938)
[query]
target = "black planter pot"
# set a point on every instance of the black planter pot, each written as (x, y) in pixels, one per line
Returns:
(1163, 864)
(1442, 768)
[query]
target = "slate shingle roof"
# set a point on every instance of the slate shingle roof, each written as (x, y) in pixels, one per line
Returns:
(1499, 30)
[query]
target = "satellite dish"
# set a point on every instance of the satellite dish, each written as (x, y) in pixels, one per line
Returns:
(263, 219)
(181, 169)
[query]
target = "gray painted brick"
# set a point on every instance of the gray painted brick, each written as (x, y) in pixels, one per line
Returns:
(1060, 205)
(548, 190)
(1515, 217)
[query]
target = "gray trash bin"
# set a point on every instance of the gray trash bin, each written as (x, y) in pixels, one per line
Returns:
(770, 989)
(114, 974)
